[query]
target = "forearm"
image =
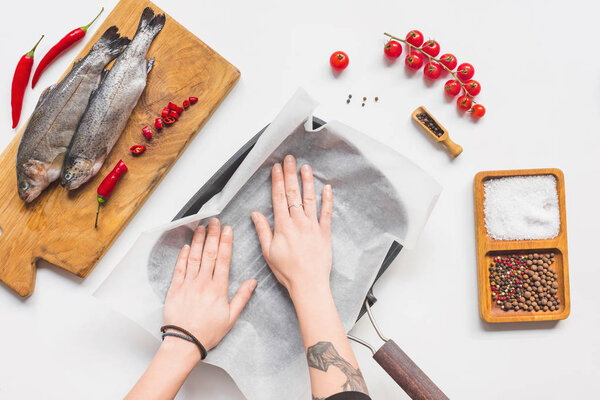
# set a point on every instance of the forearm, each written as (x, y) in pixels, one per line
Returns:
(332, 365)
(169, 368)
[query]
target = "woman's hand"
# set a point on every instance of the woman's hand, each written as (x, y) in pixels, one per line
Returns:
(197, 299)
(197, 302)
(299, 254)
(299, 250)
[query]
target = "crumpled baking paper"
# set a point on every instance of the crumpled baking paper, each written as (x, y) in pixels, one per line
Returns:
(379, 197)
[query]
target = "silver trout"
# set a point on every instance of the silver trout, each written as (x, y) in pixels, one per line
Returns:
(49, 131)
(111, 105)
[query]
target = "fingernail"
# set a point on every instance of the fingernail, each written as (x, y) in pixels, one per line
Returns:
(186, 246)
(306, 168)
(227, 230)
(277, 167)
(328, 188)
(254, 216)
(289, 158)
(213, 221)
(253, 284)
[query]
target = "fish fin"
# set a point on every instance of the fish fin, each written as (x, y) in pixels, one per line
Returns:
(151, 23)
(111, 43)
(45, 94)
(53, 171)
(103, 76)
(149, 65)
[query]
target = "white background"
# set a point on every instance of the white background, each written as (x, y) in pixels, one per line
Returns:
(538, 65)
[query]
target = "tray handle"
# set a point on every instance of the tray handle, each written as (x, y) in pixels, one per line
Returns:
(406, 373)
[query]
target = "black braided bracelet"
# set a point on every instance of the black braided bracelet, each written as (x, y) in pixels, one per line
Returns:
(186, 336)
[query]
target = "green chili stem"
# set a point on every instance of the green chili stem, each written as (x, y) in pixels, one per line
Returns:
(30, 52)
(97, 212)
(85, 28)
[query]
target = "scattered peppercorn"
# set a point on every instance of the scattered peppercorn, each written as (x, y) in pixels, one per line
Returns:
(364, 99)
(348, 101)
(349, 96)
(363, 104)
(517, 284)
(376, 99)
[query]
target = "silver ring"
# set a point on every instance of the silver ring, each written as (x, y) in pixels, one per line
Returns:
(296, 205)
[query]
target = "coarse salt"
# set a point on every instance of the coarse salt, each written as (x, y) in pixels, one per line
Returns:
(521, 207)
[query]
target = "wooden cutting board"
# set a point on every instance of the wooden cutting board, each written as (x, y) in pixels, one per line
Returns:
(59, 226)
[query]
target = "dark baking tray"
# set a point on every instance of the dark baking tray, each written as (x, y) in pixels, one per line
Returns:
(216, 183)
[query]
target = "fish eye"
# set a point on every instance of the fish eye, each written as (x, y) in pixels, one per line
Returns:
(68, 176)
(24, 185)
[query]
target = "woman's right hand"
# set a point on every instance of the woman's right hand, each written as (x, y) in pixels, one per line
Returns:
(299, 249)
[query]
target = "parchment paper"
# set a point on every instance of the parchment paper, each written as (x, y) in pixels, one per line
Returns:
(379, 197)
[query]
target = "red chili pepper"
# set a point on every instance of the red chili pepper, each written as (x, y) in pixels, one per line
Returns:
(186, 103)
(168, 120)
(172, 105)
(108, 185)
(165, 112)
(69, 40)
(173, 114)
(147, 132)
(19, 83)
(193, 100)
(137, 149)
(158, 124)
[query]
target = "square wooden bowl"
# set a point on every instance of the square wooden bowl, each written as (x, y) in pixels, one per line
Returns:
(488, 248)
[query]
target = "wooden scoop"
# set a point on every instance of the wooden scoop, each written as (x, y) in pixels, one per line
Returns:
(436, 130)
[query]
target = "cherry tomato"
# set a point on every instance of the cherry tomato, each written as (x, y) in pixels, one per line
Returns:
(431, 47)
(464, 103)
(432, 70)
(415, 38)
(339, 60)
(478, 111)
(414, 61)
(448, 60)
(452, 87)
(473, 87)
(465, 72)
(392, 49)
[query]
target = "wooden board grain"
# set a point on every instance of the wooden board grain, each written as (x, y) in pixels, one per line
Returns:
(59, 226)
(488, 248)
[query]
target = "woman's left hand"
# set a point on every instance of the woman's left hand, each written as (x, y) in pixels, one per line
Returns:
(197, 299)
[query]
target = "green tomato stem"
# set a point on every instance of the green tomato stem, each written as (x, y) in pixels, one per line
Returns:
(464, 87)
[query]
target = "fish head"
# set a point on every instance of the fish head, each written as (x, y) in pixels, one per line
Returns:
(32, 179)
(76, 172)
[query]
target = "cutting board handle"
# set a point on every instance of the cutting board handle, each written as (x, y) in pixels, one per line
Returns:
(406, 373)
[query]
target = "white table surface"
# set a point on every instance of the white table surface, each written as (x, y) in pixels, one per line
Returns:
(538, 64)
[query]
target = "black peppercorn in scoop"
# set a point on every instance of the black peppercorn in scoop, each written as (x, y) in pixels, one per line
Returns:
(436, 130)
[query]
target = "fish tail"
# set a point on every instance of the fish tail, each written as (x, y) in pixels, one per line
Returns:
(151, 23)
(111, 43)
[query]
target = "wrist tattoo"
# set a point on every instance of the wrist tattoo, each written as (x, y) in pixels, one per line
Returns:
(323, 354)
